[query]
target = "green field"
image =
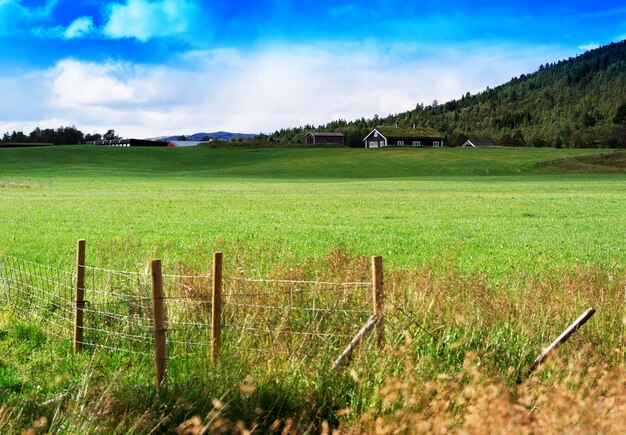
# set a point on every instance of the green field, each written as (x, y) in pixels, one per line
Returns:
(463, 209)
(488, 253)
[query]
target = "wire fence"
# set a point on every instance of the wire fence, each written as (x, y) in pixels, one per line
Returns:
(293, 319)
(43, 292)
(261, 319)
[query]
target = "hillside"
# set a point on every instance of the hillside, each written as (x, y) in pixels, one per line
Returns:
(216, 135)
(20, 164)
(571, 103)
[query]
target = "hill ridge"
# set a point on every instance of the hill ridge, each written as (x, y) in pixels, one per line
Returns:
(569, 103)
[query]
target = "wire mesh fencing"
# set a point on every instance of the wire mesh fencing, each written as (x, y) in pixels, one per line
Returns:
(117, 311)
(119, 315)
(260, 320)
(33, 290)
(283, 319)
(187, 303)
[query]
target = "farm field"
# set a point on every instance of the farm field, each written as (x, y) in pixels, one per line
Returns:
(494, 249)
(489, 211)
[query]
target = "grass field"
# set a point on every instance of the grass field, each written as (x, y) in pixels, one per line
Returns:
(468, 210)
(495, 249)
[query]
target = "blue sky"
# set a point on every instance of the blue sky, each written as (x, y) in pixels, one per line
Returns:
(156, 67)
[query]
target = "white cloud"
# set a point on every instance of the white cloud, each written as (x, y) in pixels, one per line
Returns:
(144, 19)
(82, 85)
(81, 27)
(264, 90)
(590, 46)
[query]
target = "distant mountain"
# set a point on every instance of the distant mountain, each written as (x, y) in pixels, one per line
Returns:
(571, 103)
(218, 135)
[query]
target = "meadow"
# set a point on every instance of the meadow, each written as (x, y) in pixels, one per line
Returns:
(489, 253)
(491, 211)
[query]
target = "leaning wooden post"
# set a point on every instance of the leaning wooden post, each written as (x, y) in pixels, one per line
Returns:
(563, 338)
(378, 299)
(216, 308)
(158, 313)
(347, 353)
(79, 308)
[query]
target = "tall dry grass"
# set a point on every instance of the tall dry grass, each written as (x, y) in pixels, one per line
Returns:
(581, 396)
(458, 354)
(456, 359)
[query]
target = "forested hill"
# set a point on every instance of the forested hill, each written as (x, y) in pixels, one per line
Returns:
(579, 102)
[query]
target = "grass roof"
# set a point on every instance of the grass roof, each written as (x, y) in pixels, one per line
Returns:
(399, 132)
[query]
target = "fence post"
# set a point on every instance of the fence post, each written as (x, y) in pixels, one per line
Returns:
(571, 329)
(378, 299)
(158, 313)
(79, 309)
(216, 308)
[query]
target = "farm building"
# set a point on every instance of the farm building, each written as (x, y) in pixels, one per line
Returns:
(408, 137)
(324, 138)
(477, 143)
(128, 143)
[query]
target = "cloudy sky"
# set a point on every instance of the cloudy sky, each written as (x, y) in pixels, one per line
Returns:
(155, 67)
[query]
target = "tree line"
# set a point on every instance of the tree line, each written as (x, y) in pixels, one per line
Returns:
(578, 102)
(60, 136)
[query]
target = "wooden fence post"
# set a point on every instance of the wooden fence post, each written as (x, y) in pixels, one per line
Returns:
(347, 353)
(378, 299)
(158, 313)
(216, 308)
(571, 329)
(79, 308)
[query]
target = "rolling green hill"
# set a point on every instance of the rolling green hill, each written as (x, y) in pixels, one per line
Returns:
(273, 163)
(571, 103)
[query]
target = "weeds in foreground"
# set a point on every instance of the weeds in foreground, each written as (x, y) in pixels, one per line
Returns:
(579, 396)
(583, 395)
(457, 353)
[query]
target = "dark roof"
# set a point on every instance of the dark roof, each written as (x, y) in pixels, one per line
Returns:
(325, 133)
(401, 133)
